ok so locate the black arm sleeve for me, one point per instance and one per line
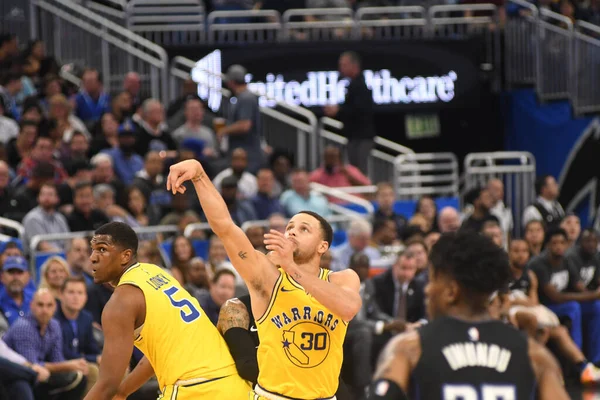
(243, 350)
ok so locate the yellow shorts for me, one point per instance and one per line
(270, 396)
(231, 387)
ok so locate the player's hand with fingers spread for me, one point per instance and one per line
(281, 249)
(182, 172)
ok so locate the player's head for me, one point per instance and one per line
(114, 248)
(466, 268)
(312, 235)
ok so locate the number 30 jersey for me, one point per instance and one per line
(486, 360)
(177, 337)
(300, 353)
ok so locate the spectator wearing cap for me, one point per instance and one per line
(92, 101)
(240, 210)
(125, 161)
(152, 132)
(14, 297)
(13, 248)
(25, 197)
(246, 182)
(334, 173)
(264, 202)
(9, 129)
(245, 125)
(482, 202)
(45, 219)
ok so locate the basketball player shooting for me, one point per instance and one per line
(463, 353)
(301, 311)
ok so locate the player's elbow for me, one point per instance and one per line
(352, 306)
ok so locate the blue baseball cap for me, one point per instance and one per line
(15, 263)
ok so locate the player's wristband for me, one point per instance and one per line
(385, 389)
(379, 327)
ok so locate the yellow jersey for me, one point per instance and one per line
(177, 337)
(300, 353)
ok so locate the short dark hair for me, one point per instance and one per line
(535, 221)
(415, 241)
(476, 263)
(220, 273)
(358, 258)
(50, 185)
(490, 223)
(82, 185)
(556, 231)
(89, 69)
(326, 229)
(472, 195)
(27, 122)
(380, 223)
(72, 279)
(540, 183)
(353, 56)
(121, 234)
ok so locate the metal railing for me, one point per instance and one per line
(380, 163)
(116, 12)
(172, 22)
(586, 68)
(77, 35)
(521, 36)
(9, 223)
(434, 174)
(382, 23)
(344, 196)
(279, 124)
(516, 170)
(555, 56)
(325, 24)
(238, 26)
(339, 220)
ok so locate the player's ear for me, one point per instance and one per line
(126, 256)
(452, 292)
(322, 248)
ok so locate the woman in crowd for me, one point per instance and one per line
(181, 254)
(54, 272)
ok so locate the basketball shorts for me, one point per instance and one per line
(231, 387)
(261, 394)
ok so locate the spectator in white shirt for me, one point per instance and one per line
(44, 219)
(247, 184)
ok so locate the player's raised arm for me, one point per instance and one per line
(126, 305)
(251, 265)
(394, 368)
(340, 294)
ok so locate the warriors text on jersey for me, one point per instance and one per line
(472, 360)
(177, 337)
(300, 353)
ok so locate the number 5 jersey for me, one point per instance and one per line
(177, 337)
(300, 353)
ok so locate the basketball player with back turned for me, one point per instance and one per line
(301, 310)
(149, 309)
(462, 353)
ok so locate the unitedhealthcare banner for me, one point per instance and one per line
(425, 75)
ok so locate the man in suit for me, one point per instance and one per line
(397, 293)
(368, 323)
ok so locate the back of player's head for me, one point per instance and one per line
(122, 235)
(477, 264)
(326, 230)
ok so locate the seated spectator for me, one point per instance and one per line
(107, 138)
(427, 208)
(334, 173)
(139, 210)
(247, 185)
(563, 292)
(182, 253)
(19, 148)
(481, 200)
(222, 288)
(45, 219)
(151, 181)
(256, 235)
(448, 220)
(79, 171)
(85, 217)
(385, 198)
(126, 162)
(103, 172)
(76, 326)
(152, 133)
(41, 153)
(75, 150)
(37, 64)
(32, 111)
(572, 225)
(17, 375)
(535, 236)
(492, 230)
(78, 259)
(217, 260)
(281, 163)
(66, 122)
(586, 259)
(104, 199)
(176, 109)
(52, 85)
(10, 86)
(264, 202)
(385, 237)
(54, 272)
(193, 128)
(300, 197)
(25, 197)
(546, 207)
(38, 338)
(13, 248)
(359, 237)
(499, 209)
(122, 106)
(15, 298)
(196, 278)
(241, 210)
(418, 250)
(92, 101)
(132, 84)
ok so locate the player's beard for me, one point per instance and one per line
(301, 257)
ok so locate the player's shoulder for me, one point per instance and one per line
(346, 277)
